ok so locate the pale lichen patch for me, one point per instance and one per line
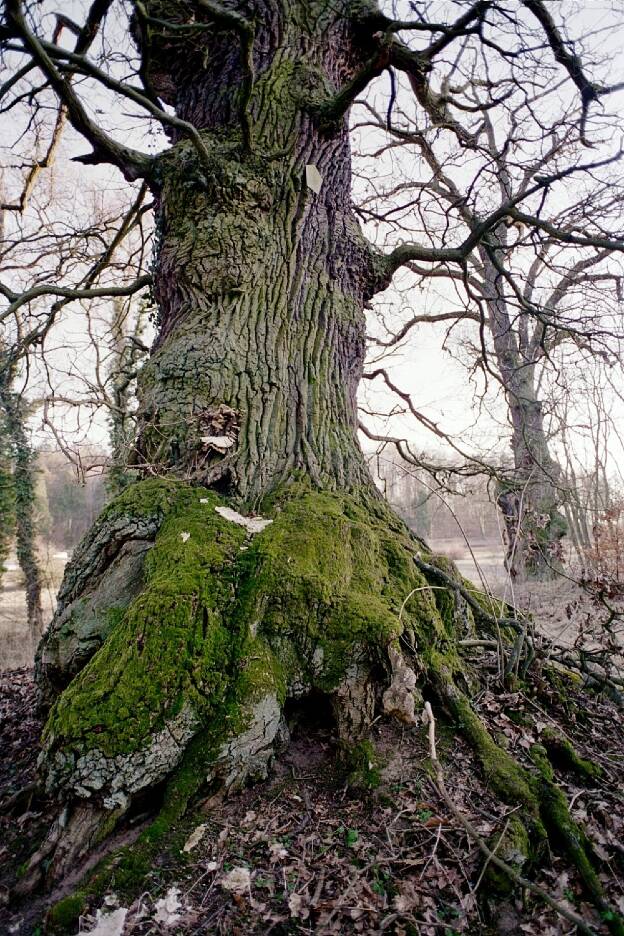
(251, 524)
(121, 775)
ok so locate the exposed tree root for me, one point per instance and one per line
(20, 800)
(544, 803)
(491, 855)
(188, 688)
(597, 670)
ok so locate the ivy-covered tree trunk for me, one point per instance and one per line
(7, 498)
(126, 328)
(20, 489)
(26, 528)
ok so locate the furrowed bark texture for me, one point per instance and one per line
(531, 502)
(260, 280)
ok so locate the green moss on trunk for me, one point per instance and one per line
(225, 621)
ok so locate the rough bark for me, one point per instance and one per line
(531, 501)
(260, 280)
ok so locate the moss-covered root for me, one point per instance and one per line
(513, 846)
(310, 603)
(227, 762)
(508, 779)
(236, 748)
(563, 754)
(224, 625)
(543, 802)
(568, 837)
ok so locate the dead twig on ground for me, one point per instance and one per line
(518, 879)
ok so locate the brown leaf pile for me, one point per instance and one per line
(302, 853)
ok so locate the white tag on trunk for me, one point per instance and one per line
(314, 179)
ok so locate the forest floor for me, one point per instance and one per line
(302, 852)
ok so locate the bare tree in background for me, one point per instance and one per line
(41, 235)
(525, 288)
(21, 485)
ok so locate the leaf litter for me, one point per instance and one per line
(303, 853)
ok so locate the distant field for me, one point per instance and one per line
(480, 562)
(16, 648)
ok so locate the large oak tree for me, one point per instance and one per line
(253, 561)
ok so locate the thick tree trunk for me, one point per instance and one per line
(184, 628)
(531, 502)
(180, 634)
(260, 278)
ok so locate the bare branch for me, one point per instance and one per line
(132, 163)
(47, 289)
